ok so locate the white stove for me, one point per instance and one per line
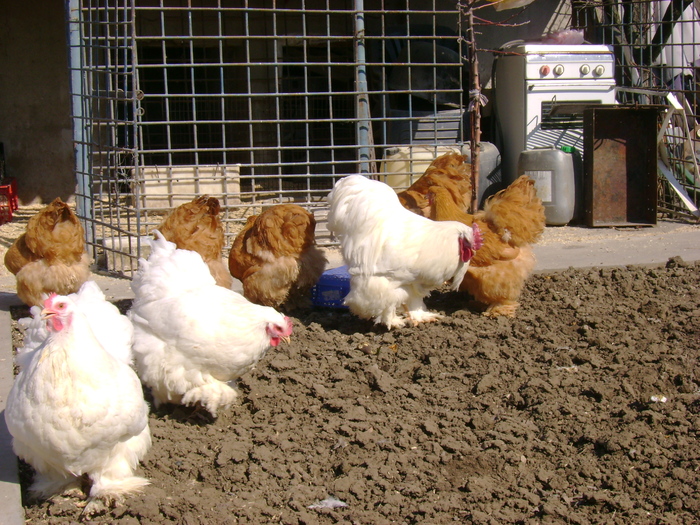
(541, 91)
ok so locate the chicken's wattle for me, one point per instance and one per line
(466, 248)
(55, 324)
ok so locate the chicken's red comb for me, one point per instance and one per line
(478, 239)
(48, 302)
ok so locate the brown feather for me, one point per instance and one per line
(449, 170)
(50, 255)
(512, 219)
(19, 254)
(196, 226)
(276, 258)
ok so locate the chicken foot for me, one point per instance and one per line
(505, 308)
(417, 313)
(211, 395)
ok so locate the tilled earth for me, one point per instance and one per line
(583, 409)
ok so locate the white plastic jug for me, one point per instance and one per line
(553, 173)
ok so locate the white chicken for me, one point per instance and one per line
(192, 339)
(112, 329)
(394, 257)
(75, 410)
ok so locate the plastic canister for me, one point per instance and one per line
(553, 172)
(489, 169)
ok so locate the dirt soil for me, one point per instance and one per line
(584, 409)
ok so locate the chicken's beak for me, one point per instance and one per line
(287, 339)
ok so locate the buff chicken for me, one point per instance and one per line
(196, 226)
(50, 256)
(512, 220)
(276, 258)
(449, 170)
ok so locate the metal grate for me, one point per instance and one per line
(254, 102)
(657, 48)
(104, 105)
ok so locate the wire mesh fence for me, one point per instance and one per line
(263, 102)
(255, 103)
(657, 49)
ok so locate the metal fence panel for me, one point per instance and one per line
(254, 102)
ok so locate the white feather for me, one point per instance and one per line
(112, 329)
(191, 337)
(395, 257)
(331, 502)
(74, 409)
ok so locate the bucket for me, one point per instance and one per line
(553, 173)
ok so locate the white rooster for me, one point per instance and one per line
(394, 257)
(75, 410)
(112, 329)
(192, 339)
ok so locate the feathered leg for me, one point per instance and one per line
(212, 395)
(116, 478)
(48, 480)
(376, 298)
(504, 308)
(416, 310)
(52, 482)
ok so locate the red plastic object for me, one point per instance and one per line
(8, 199)
(5, 210)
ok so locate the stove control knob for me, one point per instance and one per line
(544, 71)
(558, 70)
(585, 69)
(598, 70)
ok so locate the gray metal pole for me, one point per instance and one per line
(81, 130)
(364, 125)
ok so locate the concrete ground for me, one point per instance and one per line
(560, 248)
